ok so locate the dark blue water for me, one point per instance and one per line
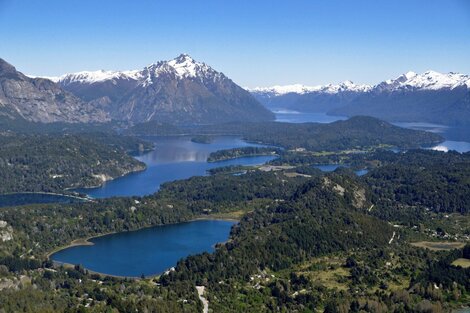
(14, 199)
(173, 158)
(333, 167)
(289, 116)
(361, 172)
(328, 167)
(147, 251)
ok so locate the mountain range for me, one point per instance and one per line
(180, 91)
(427, 97)
(183, 91)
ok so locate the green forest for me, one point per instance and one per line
(356, 133)
(305, 241)
(53, 163)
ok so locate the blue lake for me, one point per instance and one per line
(147, 251)
(153, 250)
(328, 167)
(333, 167)
(361, 172)
(289, 116)
(173, 158)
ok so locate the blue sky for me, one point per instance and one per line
(256, 43)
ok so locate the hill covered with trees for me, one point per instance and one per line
(52, 163)
(358, 132)
(318, 242)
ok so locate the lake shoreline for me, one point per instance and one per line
(31, 198)
(83, 188)
(240, 156)
(87, 242)
(173, 158)
(47, 193)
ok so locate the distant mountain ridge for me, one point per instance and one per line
(429, 80)
(179, 91)
(430, 96)
(303, 89)
(308, 98)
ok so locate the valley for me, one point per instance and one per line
(235, 156)
(173, 180)
(268, 260)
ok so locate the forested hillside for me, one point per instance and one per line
(358, 132)
(53, 163)
(435, 181)
(317, 242)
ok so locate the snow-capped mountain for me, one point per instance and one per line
(303, 89)
(430, 96)
(429, 80)
(91, 77)
(298, 97)
(181, 90)
(181, 67)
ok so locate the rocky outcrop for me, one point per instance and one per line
(41, 100)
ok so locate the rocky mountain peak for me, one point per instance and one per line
(184, 57)
(6, 67)
(181, 90)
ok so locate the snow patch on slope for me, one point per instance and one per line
(432, 80)
(429, 80)
(303, 89)
(182, 67)
(185, 66)
(91, 77)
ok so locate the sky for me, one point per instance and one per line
(255, 43)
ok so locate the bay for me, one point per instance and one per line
(147, 251)
(173, 158)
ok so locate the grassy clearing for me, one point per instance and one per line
(235, 215)
(295, 174)
(438, 245)
(465, 263)
(332, 278)
(401, 284)
(326, 271)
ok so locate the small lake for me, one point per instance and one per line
(333, 167)
(14, 199)
(174, 158)
(148, 251)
